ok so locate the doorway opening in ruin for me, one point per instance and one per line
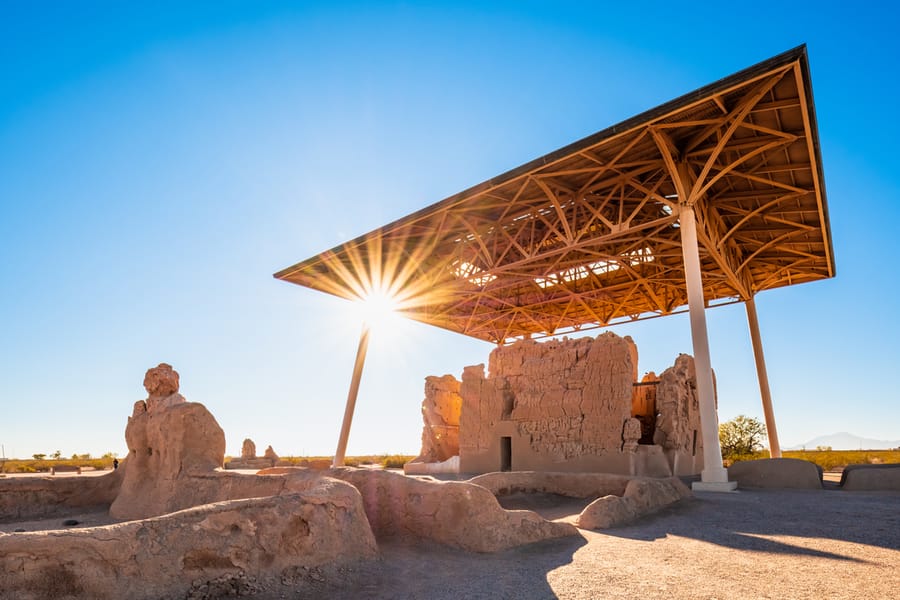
(643, 408)
(506, 453)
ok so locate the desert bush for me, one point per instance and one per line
(741, 435)
(395, 461)
(733, 458)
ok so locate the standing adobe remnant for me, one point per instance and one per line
(678, 417)
(171, 442)
(565, 405)
(440, 413)
(558, 405)
(270, 454)
(248, 450)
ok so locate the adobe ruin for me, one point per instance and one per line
(170, 519)
(565, 405)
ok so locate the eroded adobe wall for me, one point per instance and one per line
(558, 401)
(440, 414)
(678, 417)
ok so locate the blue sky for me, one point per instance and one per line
(158, 162)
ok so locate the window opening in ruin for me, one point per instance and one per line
(694, 444)
(643, 408)
(506, 453)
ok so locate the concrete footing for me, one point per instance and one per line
(714, 486)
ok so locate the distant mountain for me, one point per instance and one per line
(847, 441)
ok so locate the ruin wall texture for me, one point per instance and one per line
(563, 399)
(440, 414)
(571, 404)
(678, 416)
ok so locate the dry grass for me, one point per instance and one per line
(832, 459)
(388, 461)
(14, 465)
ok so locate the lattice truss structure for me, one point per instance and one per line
(588, 236)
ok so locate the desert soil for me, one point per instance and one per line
(749, 544)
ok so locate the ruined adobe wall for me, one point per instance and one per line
(440, 414)
(678, 416)
(567, 405)
(567, 398)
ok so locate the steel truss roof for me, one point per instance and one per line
(588, 236)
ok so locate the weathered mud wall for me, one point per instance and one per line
(561, 404)
(574, 405)
(161, 557)
(38, 497)
(440, 414)
(678, 417)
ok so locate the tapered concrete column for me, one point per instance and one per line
(714, 477)
(771, 431)
(351, 396)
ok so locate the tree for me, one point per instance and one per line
(741, 435)
(56, 455)
(39, 456)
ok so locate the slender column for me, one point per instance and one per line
(713, 471)
(756, 340)
(351, 396)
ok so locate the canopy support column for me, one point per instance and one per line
(351, 396)
(714, 476)
(756, 340)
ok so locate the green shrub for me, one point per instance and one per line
(741, 436)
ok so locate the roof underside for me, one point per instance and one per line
(588, 236)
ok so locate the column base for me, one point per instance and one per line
(714, 486)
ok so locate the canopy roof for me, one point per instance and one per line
(588, 236)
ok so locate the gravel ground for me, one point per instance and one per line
(774, 544)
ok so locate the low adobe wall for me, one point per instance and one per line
(618, 499)
(163, 556)
(25, 498)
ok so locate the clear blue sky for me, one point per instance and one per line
(158, 162)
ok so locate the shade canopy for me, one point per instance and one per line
(588, 236)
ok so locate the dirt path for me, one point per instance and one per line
(750, 544)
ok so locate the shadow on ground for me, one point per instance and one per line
(745, 520)
(429, 570)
